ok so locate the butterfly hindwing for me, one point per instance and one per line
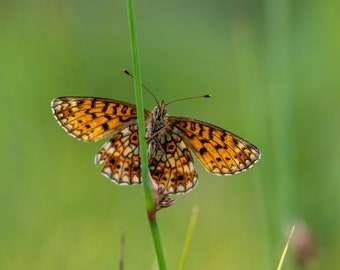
(171, 165)
(120, 157)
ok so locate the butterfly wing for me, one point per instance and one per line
(171, 165)
(221, 152)
(90, 118)
(120, 156)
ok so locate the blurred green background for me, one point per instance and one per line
(272, 68)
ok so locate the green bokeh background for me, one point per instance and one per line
(273, 70)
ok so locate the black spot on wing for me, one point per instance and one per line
(203, 150)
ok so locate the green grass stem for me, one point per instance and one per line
(188, 238)
(148, 192)
(281, 110)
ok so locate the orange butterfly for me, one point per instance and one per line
(168, 137)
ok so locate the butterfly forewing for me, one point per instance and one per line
(90, 118)
(220, 151)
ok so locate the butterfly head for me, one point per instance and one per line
(157, 120)
(159, 111)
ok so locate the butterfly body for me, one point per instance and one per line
(168, 137)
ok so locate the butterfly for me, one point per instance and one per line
(170, 141)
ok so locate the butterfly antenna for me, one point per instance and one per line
(204, 96)
(145, 88)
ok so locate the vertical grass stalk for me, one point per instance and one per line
(281, 98)
(188, 238)
(148, 192)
